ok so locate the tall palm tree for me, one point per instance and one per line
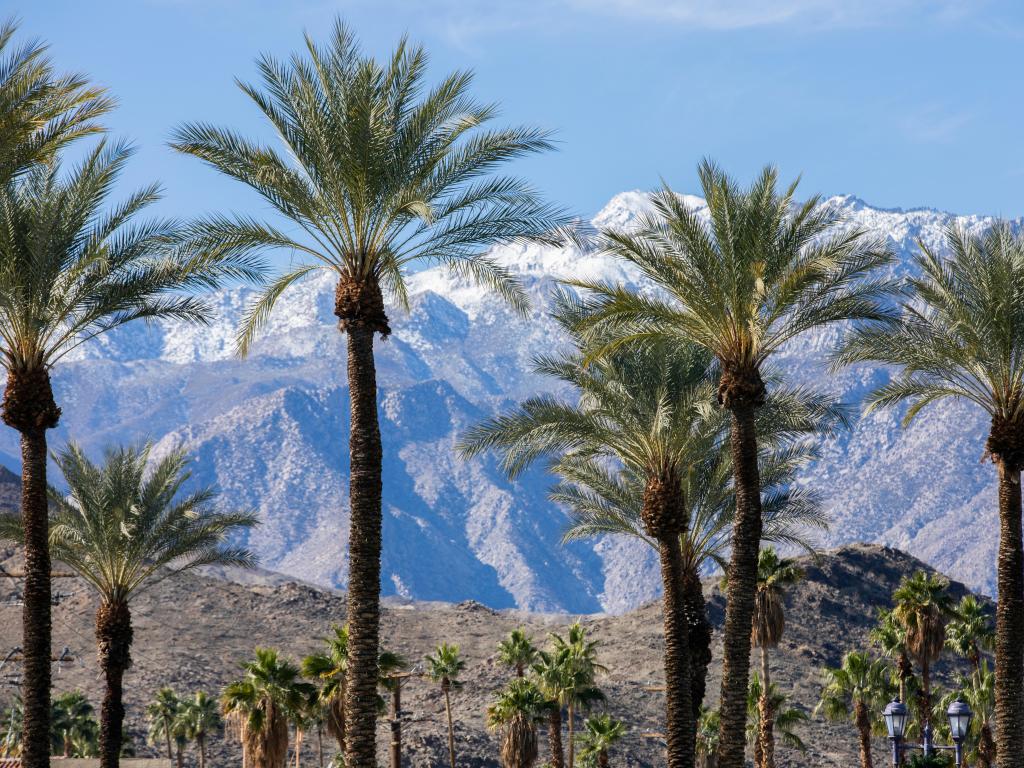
(774, 575)
(162, 712)
(201, 718)
(266, 697)
(577, 658)
(923, 608)
(857, 690)
(549, 673)
(517, 651)
(71, 270)
(516, 712)
(378, 174)
(643, 421)
(756, 272)
(123, 528)
(785, 719)
(961, 334)
(891, 638)
(444, 668)
(330, 671)
(600, 734)
(73, 721)
(969, 632)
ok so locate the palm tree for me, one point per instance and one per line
(600, 734)
(378, 174)
(392, 668)
(123, 528)
(961, 335)
(978, 691)
(265, 699)
(10, 743)
(201, 718)
(644, 415)
(969, 632)
(708, 726)
(330, 671)
(517, 651)
(857, 690)
(785, 719)
(549, 672)
(71, 271)
(922, 608)
(758, 271)
(774, 575)
(162, 713)
(444, 667)
(73, 721)
(516, 712)
(891, 638)
(577, 659)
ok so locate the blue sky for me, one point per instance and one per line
(903, 102)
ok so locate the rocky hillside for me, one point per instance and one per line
(193, 631)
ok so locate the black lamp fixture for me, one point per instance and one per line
(897, 717)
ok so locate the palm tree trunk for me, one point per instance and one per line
(767, 717)
(679, 714)
(699, 633)
(571, 716)
(986, 748)
(201, 741)
(863, 721)
(396, 725)
(298, 745)
(926, 691)
(167, 733)
(451, 727)
(602, 758)
(555, 736)
(365, 457)
(739, 613)
(1009, 694)
(179, 757)
(114, 640)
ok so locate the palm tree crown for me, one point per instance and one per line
(969, 632)
(774, 574)
(515, 712)
(517, 651)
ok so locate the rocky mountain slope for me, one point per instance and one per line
(193, 631)
(271, 432)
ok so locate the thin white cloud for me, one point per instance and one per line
(933, 125)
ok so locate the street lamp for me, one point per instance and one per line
(897, 716)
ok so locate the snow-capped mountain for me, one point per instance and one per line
(271, 432)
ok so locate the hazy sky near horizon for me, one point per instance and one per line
(904, 103)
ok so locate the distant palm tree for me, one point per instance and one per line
(758, 271)
(330, 671)
(708, 726)
(577, 658)
(785, 719)
(516, 712)
(550, 675)
(891, 638)
(774, 575)
(978, 691)
(123, 527)
(923, 607)
(162, 713)
(444, 667)
(857, 690)
(73, 724)
(201, 718)
(392, 668)
(600, 734)
(517, 651)
(961, 335)
(379, 174)
(969, 632)
(265, 699)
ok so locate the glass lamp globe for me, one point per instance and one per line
(959, 715)
(895, 716)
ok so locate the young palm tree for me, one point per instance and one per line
(265, 699)
(961, 335)
(516, 712)
(774, 575)
(756, 273)
(162, 713)
(444, 667)
(73, 721)
(201, 718)
(891, 638)
(708, 726)
(517, 651)
(785, 719)
(330, 671)
(378, 174)
(123, 528)
(577, 659)
(923, 608)
(600, 734)
(857, 690)
(550, 676)
(969, 632)
(71, 271)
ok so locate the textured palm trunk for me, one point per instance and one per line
(336, 718)
(1009, 714)
(986, 748)
(926, 691)
(113, 640)
(167, 734)
(319, 745)
(679, 716)
(451, 726)
(201, 743)
(396, 725)
(570, 715)
(862, 718)
(602, 758)
(365, 457)
(555, 737)
(179, 756)
(766, 731)
(699, 629)
(742, 588)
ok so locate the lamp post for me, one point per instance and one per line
(897, 716)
